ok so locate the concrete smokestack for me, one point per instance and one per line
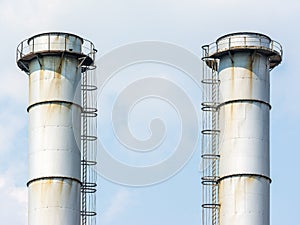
(54, 63)
(240, 183)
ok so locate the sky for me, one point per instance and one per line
(189, 24)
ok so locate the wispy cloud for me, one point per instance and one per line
(118, 204)
(13, 207)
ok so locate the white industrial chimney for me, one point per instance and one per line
(235, 153)
(55, 63)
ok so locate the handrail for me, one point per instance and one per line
(27, 47)
(236, 42)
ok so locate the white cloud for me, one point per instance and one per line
(118, 205)
(13, 207)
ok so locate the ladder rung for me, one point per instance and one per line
(210, 205)
(210, 156)
(210, 132)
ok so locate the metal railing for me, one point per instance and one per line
(28, 47)
(236, 42)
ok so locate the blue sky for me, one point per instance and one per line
(189, 24)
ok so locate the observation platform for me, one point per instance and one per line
(243, 41)
(55, 43)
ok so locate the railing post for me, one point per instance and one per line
(21, 53)
(32, 45)
(49, 42)
(272, 45)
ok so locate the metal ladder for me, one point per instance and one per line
(210, 140)
(88, 146)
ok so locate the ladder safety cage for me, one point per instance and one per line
(88, 145)
(210, 139)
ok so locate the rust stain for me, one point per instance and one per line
(55, 86)
(60, 186)
(45, 187)
(54, 108)
(56, 38)
(232, 70)
(49, 87)
(60, 65)
(232, 76)
(250, 62)
(51, 112)
(250, 179)
(229, 116)
(42, 77)
(57, 75)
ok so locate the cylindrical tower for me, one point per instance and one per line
(243, 62)
(54, 62)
